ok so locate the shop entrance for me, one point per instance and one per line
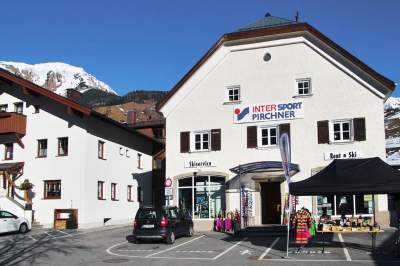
(270, 202)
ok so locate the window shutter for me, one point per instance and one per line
(252, 137)
(323, 131)
(215, 139)
(359, 129)
(284, 128)
(185, 142)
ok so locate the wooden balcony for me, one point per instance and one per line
(12, 123)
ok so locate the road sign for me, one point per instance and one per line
(168, 182)
(168, 191)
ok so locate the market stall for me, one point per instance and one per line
(354, 176)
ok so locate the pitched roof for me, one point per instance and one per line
(276, 29)
(267, 22)
(9, 77)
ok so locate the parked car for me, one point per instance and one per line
(165, 223)
(12, 223)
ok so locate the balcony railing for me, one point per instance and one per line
(12, 123)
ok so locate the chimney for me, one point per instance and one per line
(131, 117)
(74, 95)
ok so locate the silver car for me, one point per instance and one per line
(12, 223)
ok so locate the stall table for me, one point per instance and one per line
(372, 232)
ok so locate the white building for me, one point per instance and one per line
(81, 164)
(229, 110)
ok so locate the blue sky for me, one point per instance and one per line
(151, 44)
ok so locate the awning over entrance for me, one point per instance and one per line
(364, 176)
(248, 173)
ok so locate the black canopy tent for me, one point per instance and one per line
(352, 176)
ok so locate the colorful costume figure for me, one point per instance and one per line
(302, 221)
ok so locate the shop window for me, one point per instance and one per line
(3, 107)
(203, 200)
(52, 189)
(268, 136)
(233, 94)
(344, 205)
(201, 141)
(113, 191)
(62, 146)
(341, 131)
(42, 148)
(303, 86)
(100, 190)
(9, 151)
(325, 205)
(100, 149)
(19, 107)
(364, 204)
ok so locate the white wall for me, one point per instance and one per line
(199, 105)
(81, 169)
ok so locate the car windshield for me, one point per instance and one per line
(149, 214)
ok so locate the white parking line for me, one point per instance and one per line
(174, 247)
(229, 249)
(346, 252)
(269, 249)
(194, 251)
(31, 237)
(49, 234)
(62, 232)
(136, 250)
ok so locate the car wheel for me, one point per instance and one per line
(171, 238)
(23, 228)
(136, 240)
(190, 231)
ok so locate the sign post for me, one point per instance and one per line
(284, 145)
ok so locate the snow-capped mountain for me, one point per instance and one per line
(392, 103)
(56, 77)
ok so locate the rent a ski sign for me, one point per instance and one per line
(268, 112)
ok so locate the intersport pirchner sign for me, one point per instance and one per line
(268, 112)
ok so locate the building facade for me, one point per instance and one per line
(85, 169)
(274, 76)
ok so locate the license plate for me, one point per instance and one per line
(148, 226)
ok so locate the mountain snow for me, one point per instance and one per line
(57, 77)
(392, 103)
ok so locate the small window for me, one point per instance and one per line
(268, 136)
(139, 161)
(42, 148)
(100, 149)
(113, 191)
(129, 193)
(121, 152)
(19, 107)
(233, 94)
(341, 131)
(303, 86)
(9, 151)
(202, 141)
(3, 107)
(100, 190)
(127, 153)
(63, 146)
(139, 194)
(52, 189)
(36, 109)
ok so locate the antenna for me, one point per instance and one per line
(296, 17)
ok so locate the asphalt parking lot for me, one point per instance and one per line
(109, 246)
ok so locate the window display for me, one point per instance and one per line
(205, 198)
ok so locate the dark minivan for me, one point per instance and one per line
(165, 223)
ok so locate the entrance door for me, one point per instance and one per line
(271, 203)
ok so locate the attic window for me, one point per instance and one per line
(267, 57)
